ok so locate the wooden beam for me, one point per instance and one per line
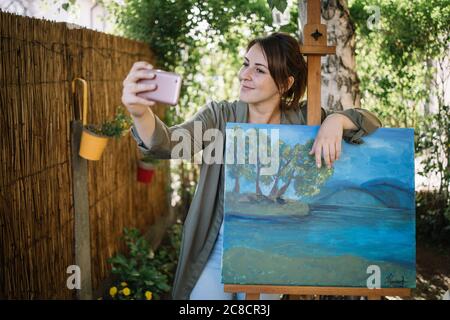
(314, 89)
(252, 296)
(313, 15)
(328, 291)
(318, 50)
(81, 213)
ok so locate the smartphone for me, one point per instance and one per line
(168, 85)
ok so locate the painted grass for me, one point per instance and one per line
(249, 266)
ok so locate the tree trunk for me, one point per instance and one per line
(284, 188)
(258, 170)
(340, 83)
(274, 190)
(430, 83)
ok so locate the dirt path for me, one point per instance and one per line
(433, 272)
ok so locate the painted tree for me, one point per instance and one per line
(296, 167)
(308, 178)
(253, 143)
(302, 172)
(237, 170)
(287, 156)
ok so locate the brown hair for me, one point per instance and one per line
(283, 55)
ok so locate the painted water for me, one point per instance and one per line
(348, 239)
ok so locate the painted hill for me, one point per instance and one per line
(390, 193)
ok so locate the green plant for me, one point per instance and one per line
(139, 270)
(149, 159)
(433, 218)
(395, 61)
(167, 254)
(433, 142)
(115, 128)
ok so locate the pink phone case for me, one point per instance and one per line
(168, 85)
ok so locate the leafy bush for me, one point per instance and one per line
(433, 217)
(139, 270)
(167, 254)
(144, 274)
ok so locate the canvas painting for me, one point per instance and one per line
(288, 222)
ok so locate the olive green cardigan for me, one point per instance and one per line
(205, 215)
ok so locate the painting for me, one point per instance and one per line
(287, 222)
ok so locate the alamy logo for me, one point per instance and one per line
(373, 22)
(374, 280)
(251, 146)
(74, 280)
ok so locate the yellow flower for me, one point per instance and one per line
(126, 291)
(148, 295)
(123, 284)
(113, 291)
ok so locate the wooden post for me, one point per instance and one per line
(81, 205)
(314, 47)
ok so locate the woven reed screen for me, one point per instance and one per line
(39, 59)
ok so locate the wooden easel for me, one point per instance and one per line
(314, 46)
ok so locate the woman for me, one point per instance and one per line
(273, 80)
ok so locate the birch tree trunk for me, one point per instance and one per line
(340, 83)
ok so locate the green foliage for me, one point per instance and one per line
(200, 40)
(115, 128)
(409, 30)
(433, 209)
(66, 5)
(432, 218)
(434, 140)
(150, 159)
(141, 269)
(171, 27)
(279, 4)
(167, 254)
(392, 58)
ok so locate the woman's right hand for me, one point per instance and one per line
(135, 105)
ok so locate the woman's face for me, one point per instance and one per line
(257, 85)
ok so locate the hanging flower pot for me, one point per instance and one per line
(92, 145)
(146, 169)
(95, 137)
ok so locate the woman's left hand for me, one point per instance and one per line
(328, 141)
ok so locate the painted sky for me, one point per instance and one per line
(386, 153)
